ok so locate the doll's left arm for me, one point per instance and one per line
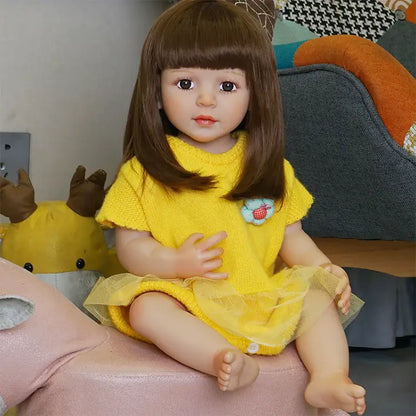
(299, 249)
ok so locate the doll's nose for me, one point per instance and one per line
(206, 99)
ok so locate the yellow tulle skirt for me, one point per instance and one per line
(263, 322)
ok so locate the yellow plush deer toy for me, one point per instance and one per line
(58, 241)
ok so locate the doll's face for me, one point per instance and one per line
(205, 105)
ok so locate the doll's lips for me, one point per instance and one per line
(205, 120)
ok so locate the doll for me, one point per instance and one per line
(203, 205)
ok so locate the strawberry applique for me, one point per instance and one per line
(257, 211)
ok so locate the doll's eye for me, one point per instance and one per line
(185, 84)
(228, 86)
(80, 263)
(28, 267)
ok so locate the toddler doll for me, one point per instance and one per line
(203, 205)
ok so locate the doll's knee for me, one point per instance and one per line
(147, 307)
(317, 299)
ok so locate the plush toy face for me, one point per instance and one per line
(58, 241)
(54, 239)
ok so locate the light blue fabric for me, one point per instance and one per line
(287, 37)
(286, 31)
(285, 53)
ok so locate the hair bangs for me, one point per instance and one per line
(207, 37)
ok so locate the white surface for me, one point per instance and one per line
(67, 73)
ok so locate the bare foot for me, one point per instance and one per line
(235, 369)
(336, 391)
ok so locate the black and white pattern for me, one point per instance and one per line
(366, 18)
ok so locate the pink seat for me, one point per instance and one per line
(69, 365)
(127, 377)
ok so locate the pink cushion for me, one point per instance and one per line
(126, 377)
(60, 362)
(56, 332)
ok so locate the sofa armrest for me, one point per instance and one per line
(363, 182)
(391, 86)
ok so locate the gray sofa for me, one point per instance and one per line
(363, 182)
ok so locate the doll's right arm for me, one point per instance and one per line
(141, 254)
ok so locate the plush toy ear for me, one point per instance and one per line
(86, 195)
(17, 202)
(14, 310)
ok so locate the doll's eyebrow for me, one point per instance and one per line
(236, 72)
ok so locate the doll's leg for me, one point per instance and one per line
(182, 336)
(323, 349)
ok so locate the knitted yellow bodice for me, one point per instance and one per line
(250, 249)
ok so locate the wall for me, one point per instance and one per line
(67, 70)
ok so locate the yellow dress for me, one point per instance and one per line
(255, 309)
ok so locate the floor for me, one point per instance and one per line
(389, 376)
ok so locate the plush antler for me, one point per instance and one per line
(86, 195)
(17, 201)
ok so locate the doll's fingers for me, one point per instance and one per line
(212, 240)
(212, 254)
(342, 284)
(346, 293)
(192, 239)
(216, 276)
(345, 300)
(345, 309)
(212, 264)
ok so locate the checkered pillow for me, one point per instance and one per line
(366, 18)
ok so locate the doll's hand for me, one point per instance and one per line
(198, 257)
(343, 290)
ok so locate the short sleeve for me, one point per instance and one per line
(122, 206)
(299, 200)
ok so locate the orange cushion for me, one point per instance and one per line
(391, 86)
(411, 12)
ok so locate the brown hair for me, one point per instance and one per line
(210, 34)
